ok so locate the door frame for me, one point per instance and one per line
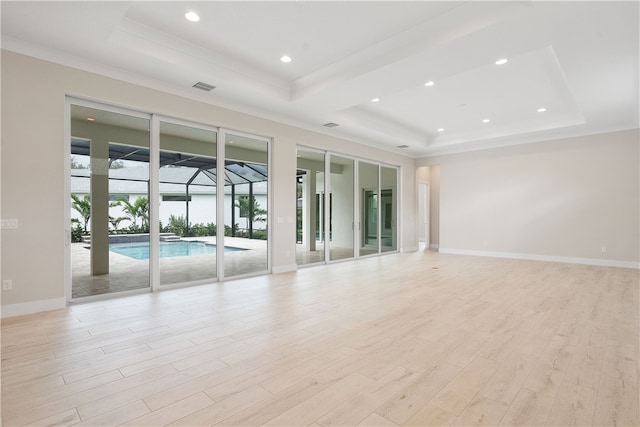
(424, 212)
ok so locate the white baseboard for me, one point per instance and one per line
(11, 310)
(434, 246)
(410, 249)
(551, 258)
(284, 268)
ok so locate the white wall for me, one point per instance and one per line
(202, 209)
(434, 206)
(35, 158)
(431, 176)
(564, 200)
(368, 177)
(422, 178)
(343, 205)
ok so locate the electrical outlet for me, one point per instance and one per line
(9, 224)
(603, 249)
(7, 285)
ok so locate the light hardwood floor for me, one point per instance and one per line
(404, 339)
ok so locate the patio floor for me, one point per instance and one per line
(126, 273)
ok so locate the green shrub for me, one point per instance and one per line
(211, 229)
(76, 231)
(177, 225)
(260, 234)
(197, 230)
(227, 230)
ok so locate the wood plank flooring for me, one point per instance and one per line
(405, 339)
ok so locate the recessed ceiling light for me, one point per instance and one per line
(429, 83)
(375, 100)
(486, 120)
(440, 130)
(285, 59)
(542, 110)
(192, 16)
(501, 61)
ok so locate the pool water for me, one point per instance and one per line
(168, 249)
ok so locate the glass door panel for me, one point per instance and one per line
(187, 204)
(388, 208)
(310, 207)
(245, 205)
(368, 184)
(110, 201)
(341, 208)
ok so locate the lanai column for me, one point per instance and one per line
(99, 207)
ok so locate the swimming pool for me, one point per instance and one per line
(168, 249)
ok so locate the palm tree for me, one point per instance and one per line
(135, 210)
(258, 214)
(83, 207)
(255, 214)
(116, 221)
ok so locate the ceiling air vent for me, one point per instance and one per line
(402, 146)
(330, 125)
(204, 86)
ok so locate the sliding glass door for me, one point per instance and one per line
(187, 212)
(378, 208)
(310, 207)
(246, 196)
(345, 206)
(151, 201)
(341, 207)
(368, 192)
(388, 208)
(109, 180)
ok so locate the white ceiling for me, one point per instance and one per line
(579, 60)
